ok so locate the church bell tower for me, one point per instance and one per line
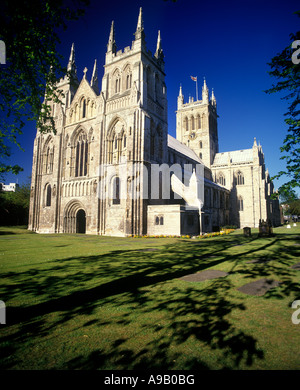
(196, 125)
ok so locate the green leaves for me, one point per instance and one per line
(288, 75)
(29, 30)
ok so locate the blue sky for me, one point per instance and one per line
(227, 42)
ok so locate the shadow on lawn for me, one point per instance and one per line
(141, 281)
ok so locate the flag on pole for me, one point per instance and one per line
(195, 79)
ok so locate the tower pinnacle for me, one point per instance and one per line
(159, 52)
(205, 93)
(111, 46)
(71, 68)
(140, 34)
(180, 98)
(213, 99)
(94, 79)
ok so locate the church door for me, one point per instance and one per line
(80, 221)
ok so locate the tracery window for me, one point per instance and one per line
(81, 155)
(48, 157)
(239, 179)
(221, 179)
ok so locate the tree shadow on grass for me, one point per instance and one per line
(146, 283)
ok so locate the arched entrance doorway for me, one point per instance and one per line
(80, 221)
(74, 218)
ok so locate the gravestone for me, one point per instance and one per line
(265, 228)
(247, 232)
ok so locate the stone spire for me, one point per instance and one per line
(140, 34)
(111, 46)
(180, 98)
(71, 68)
(213, 99)
(159, 52)
(205, 93)
(94, 79)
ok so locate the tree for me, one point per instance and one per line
(288, 196)
(14, 206)
(30, 31)
(286, 69)
(294, 207)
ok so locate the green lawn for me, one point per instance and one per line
(90, 302)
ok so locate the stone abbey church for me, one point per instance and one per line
(113, 137)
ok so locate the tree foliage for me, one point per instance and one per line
(14, 206)
(30, 30)
(287, 74)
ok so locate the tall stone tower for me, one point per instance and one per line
(134, 92)
(196, 125)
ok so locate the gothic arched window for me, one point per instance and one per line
(221, 179)
(192, 123)
(198, 122)
(116, 190)
(239, 180)
(48, 196)
(83, 108)
(128, 80)
(186, 124)
(48, 157)
(240, 204)
(81, 155)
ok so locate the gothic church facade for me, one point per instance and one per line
(110, 137)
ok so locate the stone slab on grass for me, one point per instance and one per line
(259, 261)
(296, 266)
(204, 275)
(259, 287)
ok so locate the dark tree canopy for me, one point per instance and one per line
(285, 68)
(30, 31)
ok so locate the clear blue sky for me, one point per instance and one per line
(227, 42)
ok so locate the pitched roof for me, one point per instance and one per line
(173, 143)
(235, 157)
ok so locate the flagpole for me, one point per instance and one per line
(196, 88)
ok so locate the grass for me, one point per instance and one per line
(90, 302)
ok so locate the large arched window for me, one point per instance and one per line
(81, 155)
(48, 156)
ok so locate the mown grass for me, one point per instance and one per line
(89, 302)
